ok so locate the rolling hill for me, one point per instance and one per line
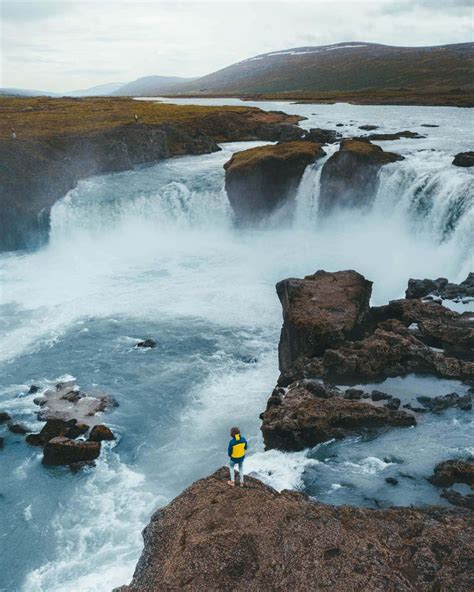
(152, 86)
(343, 67)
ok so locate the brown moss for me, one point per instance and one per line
(248, 159)
(44, 117)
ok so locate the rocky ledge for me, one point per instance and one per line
(349, 176)
(331, 335)
(36, 172)
(262, 180)
(213, 537)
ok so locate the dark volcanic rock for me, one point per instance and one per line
(4, 416)
(320, 311)
(101, 432)
(146, 343)
(259, 181)
(464, 159)
(457, 499)
(380, 396)
(368, 128)
(64, 451)
(33, 389)
(441, 287)
(17, 428)
(395, 136)
(214, 537)
(453, 471)
(443, 402)
(301, 419)
(349, 176)
(322, 136)
(57, 427)
(393, 404)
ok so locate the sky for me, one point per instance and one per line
(70, 44)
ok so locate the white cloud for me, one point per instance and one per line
(79, 44)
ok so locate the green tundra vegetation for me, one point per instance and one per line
(44, 117)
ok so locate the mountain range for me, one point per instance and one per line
(342, 67)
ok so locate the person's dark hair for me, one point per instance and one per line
(234, 432)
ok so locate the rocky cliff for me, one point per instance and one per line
(36, 171)
(349, 176)
(213, 537)
(262, 180)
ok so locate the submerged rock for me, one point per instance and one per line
(214, 537)
(17, 428)
(349, 176)
(4, 417)
(320, 311)
(64, 451)
(395, 136)
(298, 418)
(147, 343)
(368, 127)
(33, 389)
(464, 159)
(259, 181)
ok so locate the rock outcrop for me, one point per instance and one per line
(330, 332)
(213, 537)
(349, 177)
(70, 413)
(449, 472)
(464, 159)
(64, 451)
(321, 311)
(441, 287)
(322, 136)
(306, 414)
(262, 180)
(35, 173)
(394, 136)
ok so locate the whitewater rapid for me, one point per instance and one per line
(154, 252)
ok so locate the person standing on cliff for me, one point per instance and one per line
(236, 451)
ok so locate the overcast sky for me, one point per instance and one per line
(70, 44)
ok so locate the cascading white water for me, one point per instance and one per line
(153, 252)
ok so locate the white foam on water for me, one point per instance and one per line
(99, 551)
(280, 470)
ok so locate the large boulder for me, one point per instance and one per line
(64, 451)
(322, 136)
(303, 416)
(464, 159)
(261, 180)
(349, 177)
(320, 311)
(214, 537)
(449, 472)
